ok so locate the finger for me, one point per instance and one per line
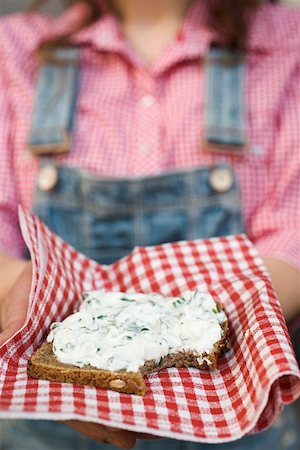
(13, 308)
(121, 439)
(146, 436)
(112, 428)
(13, 327)
(7, 334)
(136, 435)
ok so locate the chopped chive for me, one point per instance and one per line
(126, 299)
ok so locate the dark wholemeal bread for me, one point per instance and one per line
(43, 364)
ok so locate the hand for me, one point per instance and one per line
(286, 282)
(13, 308)
(107, 435)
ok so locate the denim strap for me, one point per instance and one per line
(55, 103)
(224, 118)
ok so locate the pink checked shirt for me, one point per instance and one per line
(138, 120)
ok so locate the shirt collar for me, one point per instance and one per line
(274, 28)
(106, 35)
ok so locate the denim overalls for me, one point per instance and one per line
(105, 218)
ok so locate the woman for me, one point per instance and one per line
(168, 102)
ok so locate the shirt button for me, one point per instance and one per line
(147, 100)
(47, 178)
(221, 179)
(106, 37)
(144, 148)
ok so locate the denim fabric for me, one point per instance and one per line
(43, 435)
(225, 119)
(54, 111)
(106, 218)
(56, 96)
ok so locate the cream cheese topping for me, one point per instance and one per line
(121, 331)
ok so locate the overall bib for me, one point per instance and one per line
(105, 218)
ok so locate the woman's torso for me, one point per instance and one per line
(135, 121)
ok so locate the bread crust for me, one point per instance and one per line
(44, 365)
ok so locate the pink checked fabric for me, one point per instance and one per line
(134, 119)
(255, 379)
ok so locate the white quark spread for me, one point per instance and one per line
(121, 331)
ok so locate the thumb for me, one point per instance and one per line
(5, 336)
(9, 332)
(13, 308)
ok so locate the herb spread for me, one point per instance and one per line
(120, 332)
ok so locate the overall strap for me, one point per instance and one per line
(55, 103)
(225, 118)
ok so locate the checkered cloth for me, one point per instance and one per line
(255, 379)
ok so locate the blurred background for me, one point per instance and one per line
(55, 7)
(10, 6)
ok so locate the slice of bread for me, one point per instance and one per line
(43, 364)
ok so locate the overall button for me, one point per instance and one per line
(221, 179)
(47, 178)
(144, 149)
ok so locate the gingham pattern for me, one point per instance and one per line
(255, 379)
(134, 120)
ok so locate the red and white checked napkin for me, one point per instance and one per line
(256, 378)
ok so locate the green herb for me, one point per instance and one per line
(101, 317)
(163, 322)
(85, 296)
(125, 299)
(144, 329)
(178, 302)
(129, 338)
(215, 311)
